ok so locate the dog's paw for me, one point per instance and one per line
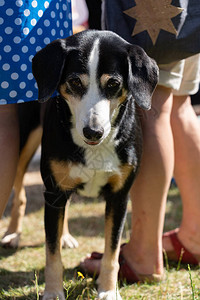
(10, 240)
(109, 295)
(68, 241)
(53, 296)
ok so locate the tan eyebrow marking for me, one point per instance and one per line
(104, 79)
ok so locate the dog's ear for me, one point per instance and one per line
(143, 76)
(47, 67)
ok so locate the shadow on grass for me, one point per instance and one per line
(74, 287)
(9, 279)
(19, 278)
(172, 265)
(30, 296)
(6, 251)
(87, 226)
(19, 285)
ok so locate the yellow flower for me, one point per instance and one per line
(80, 275)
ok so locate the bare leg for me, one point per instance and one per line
(12, 235)
(186, 132)
(149, 192)
(9, 149)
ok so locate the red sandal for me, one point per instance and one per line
(126, 273)
(179, 252)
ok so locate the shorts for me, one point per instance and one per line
(182, 77)
(25, 28)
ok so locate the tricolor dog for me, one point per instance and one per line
(92, 140)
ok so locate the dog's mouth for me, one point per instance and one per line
(92, 143)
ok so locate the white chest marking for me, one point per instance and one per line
(101, 163)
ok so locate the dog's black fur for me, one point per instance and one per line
(132, 77)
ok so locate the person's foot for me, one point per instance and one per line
(92, 264)
(179, 245)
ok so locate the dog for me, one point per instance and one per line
(92, 139)
(30, 116)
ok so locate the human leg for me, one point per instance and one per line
(9, 149)
(149, 192)
(186, 133)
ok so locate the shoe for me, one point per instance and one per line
(179, 252)
(126, 273)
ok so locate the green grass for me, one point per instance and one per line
(22, 270)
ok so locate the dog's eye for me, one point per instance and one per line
(113, 84)
(75, 83)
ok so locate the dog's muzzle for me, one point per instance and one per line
(93, 135)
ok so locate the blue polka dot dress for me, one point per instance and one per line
(26, 26)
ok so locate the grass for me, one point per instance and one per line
(22, 269)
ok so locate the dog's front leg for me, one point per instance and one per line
(54, 269)
(114, 221)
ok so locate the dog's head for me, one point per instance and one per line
(95, 71)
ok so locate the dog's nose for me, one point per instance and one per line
(93, 134)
